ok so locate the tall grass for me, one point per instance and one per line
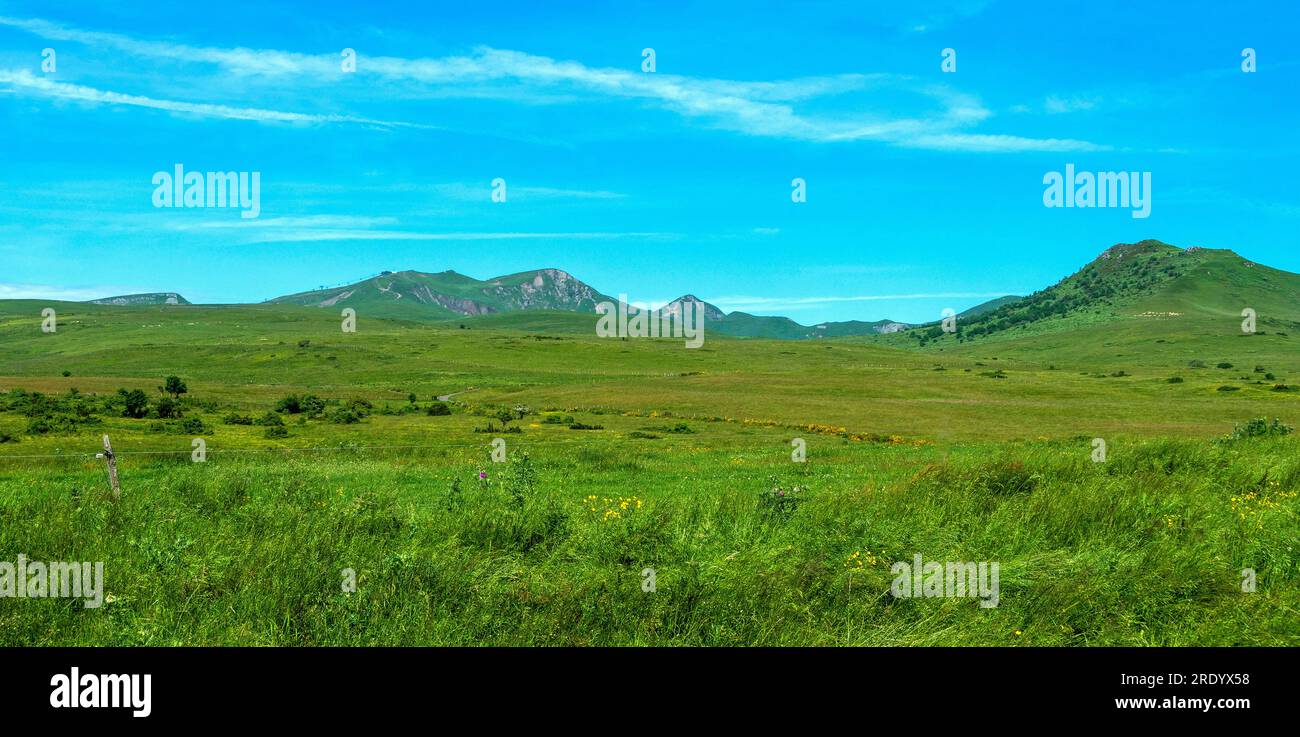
(1144, 549)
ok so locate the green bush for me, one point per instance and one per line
(167, 409)
(1259, 427)
(293, 404)
(135, 403)
(344, 416)
(193, 426)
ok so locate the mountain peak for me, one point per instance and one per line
(149, 298)
(445, 294)
(711, 312)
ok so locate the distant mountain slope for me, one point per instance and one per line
(674, 308)
(1147, 281)
(856, 327)
(745, 325)
(448, 295)
(988, 306)
(417, 295)
(152, 298)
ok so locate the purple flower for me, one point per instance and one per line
(482, 474)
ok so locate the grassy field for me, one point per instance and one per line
(978, 451)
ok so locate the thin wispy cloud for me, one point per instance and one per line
(795, 303)
(467, 192)
(754, 108)
(1057, 105)
(324, 234)
(358, 228)
(24, 82)
(64, 294)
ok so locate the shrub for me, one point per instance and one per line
(359, 407)
(344, 416)
(39, 426)
(1196, 363)
(270, 419)
(1228, 388)
(558, 420)
(583, 426)
(1260, 427)
(276, 431)
(167, 409)
(1224, 365)
(1174, 380)
(193, 426)
(7, 438)
(293, 404)
(135, 403)
(643, 435)
(237, 419)
(438, 409)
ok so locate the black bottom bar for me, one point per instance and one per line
(931, 686)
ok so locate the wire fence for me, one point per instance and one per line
(308, 449)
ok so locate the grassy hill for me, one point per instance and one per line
(1141, 298)
(627, 454)
(448, 295)
(988, 306)
(420, 296)
(635, 454)
(152, 298)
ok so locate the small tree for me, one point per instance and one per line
(174, 386)
(135, 403)
(506, 416)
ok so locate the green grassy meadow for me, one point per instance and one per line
(970, 451)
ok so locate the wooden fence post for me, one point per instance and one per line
(107, 455)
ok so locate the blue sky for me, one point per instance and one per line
(924, 188)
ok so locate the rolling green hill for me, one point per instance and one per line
(1147, 295)
(628, 453)
(447, 296)
(152, 298)
(988, 306)
(420, 296)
